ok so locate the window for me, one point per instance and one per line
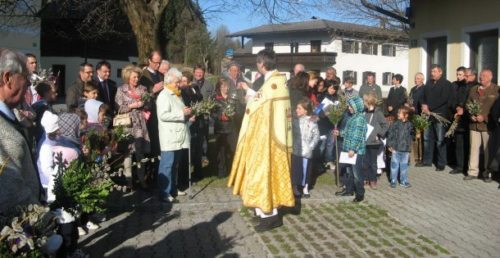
(484, 51)
(387, 79)
(315, 46)
(269, 45)
(294, 47)
(350, 46)
(436, 51)
(369, 48)
(388, 50)
(365, 75)
(352, 74)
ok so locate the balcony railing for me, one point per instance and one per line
(322, 58)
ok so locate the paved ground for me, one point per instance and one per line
(440, 216)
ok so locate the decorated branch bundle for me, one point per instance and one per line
(81, 187)
(337, 110)
(204, 107)
(474, 108)
(420, 122)
(25, 231)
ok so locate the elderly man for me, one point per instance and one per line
(331, 75)
(76, 89)
(164, 67)
(485, 94)
(261, 167)
(437, 98)
(19, 182)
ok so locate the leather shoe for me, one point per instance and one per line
(343, 193)
(456, 171)
(420, 164)
(269, 223)
(487, 180)
(439, 169)
(358, 198)
(466, 178)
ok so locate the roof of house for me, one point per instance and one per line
(320, 25)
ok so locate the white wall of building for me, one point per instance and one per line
(21, 33)
(358, 62)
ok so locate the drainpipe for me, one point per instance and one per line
(385, 12)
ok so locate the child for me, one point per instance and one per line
(305, 137)
(354, 143)
(349, 91)
(96, 112)
(48, 93)
(374, 144)
(400, 136)
(224, 128)
(90, 91)
(327, 141)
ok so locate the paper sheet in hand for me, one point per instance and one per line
(326, 103)
(344, 158)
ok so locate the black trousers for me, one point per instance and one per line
(226, 146)
(370, 161)
(462, 150)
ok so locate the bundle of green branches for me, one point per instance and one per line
(453, 127)
(420, 122)
(474, 107)
(204, 107)
(121, 134)
(229, 110)
(439, 118)
(337, 110)
(81, 187)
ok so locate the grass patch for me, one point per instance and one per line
(399, 231)
(371, 253)
(428, 250)
(400, 241)
(331, 246)
(372, 242)
(385, 242)
(425, 239)
(325, 179)
(344, 244)
(409, 230)
(265, 239)
(307, 237)
(360, 224)
(360, 233)
(292, 238)
(387, 254)
(359, 243)
(286, 248)
(317, 246)
(340, 255)
(273, 249)
(400, 253)
(301, 247)
(415, 251)
(441, 249)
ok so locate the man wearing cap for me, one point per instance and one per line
(19, 183)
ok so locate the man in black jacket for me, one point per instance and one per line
(107, 87)
(397, 96)
(436, 99)
(461, 136)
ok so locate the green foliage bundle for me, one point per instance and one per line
(337, 110)
(420, 122)
(204, 107)
(120, 134)
(474, 108)
(81, 187)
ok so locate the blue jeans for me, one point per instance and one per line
(327, 147)
(434, 137)
(399, 163)
(167, 173)
(355, 178)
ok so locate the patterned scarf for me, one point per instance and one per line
(174, 89)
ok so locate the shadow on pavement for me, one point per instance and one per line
(200, 240)
(135, 222)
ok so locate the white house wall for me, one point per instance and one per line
(345, 61)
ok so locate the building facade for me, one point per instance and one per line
(352, 49)
(453, 34)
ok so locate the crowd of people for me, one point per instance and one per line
(272, 126)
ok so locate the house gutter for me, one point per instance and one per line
(385, 12)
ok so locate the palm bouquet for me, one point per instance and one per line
(474, 107)
(337, 110)
(420, 122)
(204, 107)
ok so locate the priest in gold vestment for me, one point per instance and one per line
(260, 172)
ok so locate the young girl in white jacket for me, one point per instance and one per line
(305, 137)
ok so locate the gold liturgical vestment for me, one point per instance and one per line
(261, 167)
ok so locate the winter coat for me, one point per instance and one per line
(139, 129)
(400, 136)
(354, 132)
(486, 101)
(396, 99)
(172, 125)
(376, 119)
(305, 136)
(438, 95)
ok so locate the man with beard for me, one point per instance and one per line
(75, 91)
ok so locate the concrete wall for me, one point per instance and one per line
(454, 20)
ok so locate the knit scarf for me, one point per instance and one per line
(174, 89)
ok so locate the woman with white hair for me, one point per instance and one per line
(173, 131)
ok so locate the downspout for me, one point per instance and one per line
(385, 12)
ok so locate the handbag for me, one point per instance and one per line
(122, 119)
